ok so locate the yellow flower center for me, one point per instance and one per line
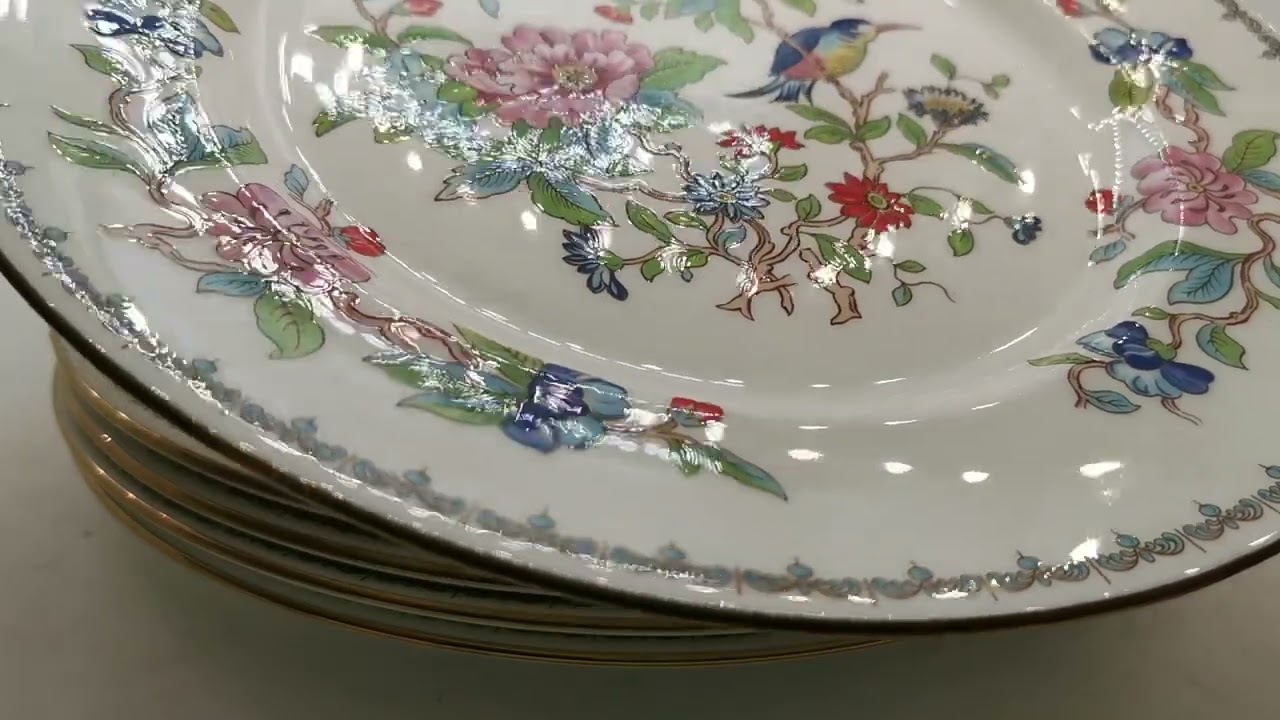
(726, 197)
(577, 78)
(877, 201)
(1195, 187)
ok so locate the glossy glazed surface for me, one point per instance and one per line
(844, 391)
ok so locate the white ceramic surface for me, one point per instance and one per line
(909, 460)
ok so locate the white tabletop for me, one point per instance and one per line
(96, 625)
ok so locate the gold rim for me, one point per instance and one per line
(450, 611)
(102, 486)
(394, 563)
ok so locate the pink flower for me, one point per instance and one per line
(259, 230)
(1192, 189)
(542, 74)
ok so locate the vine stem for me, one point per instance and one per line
(630, 186)
(378, 23)
(1172, 406)
(920, 283)
(1073, 378)
(1247, 268)
(1190, 118)
(401, 331)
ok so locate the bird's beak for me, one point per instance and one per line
(890, 27)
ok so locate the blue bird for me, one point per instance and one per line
(815, 54)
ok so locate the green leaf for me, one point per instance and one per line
(289, 323)
(326, 122)
(696, 259)
(93, 154)
(1271, 300)
(1207, 78)
(459, 403)
(837, 254)
(808, 208)
(650, 10)
(944, 66)
(87, 123)
(729, 14)
(1250, 149)
(978, 206)
(214, 13)
(704, 21)
(1162, 348)
(873, 129)
(1130, 89)
(345, 36)
(910, 266)
(1110, 401)
(986, 158)
(960, 242)
(1169, 255)
(566, 201)
(453, 91)
(781, 195)
(391, 135)
(902, 295)
(1185, 85)
(652, 268)
(552, 134)
(991, 91)
(925, 205)
(675, 68)
(791, 173)
(646, 220)
(1151, 312)
(688, 455)
(816, 114)
(684, 218)
(912, 131)
(728, 464)
(515, 366)
(1000, 82)
(1063, 359)
(418, 33)
(105, 61)
(1217, 344)
(828, 134)
(237, 147)
(1273, 272)
(808, 7)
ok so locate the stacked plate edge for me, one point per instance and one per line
(211, 513)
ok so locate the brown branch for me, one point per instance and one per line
(1073, 379)
(401, 331)
(1190, 118)
(928, 147)
(1247, 267)
(844, 297)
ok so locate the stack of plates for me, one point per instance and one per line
(753, 317)
(212, 513)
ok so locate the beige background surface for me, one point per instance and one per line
(96, 625)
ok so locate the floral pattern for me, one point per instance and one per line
(1128, 350)
(1191, 189)
(585, 117)
(1187, 184)
(540, 75)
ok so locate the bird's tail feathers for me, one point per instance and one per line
(788, 91)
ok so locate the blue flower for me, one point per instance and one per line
(734, 197)
(567, 408)
(1145, 364)
(585, 250)
(109, 23)
(1025, 228)
(1114, 46)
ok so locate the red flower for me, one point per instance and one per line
(616, 14)
(693, 412)
(784, 139)
(423, 8)
(1070, 8)
(759, 140)
(871, 204)
(362, 240)
(1102, 202)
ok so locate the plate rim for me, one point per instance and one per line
(188, 422)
